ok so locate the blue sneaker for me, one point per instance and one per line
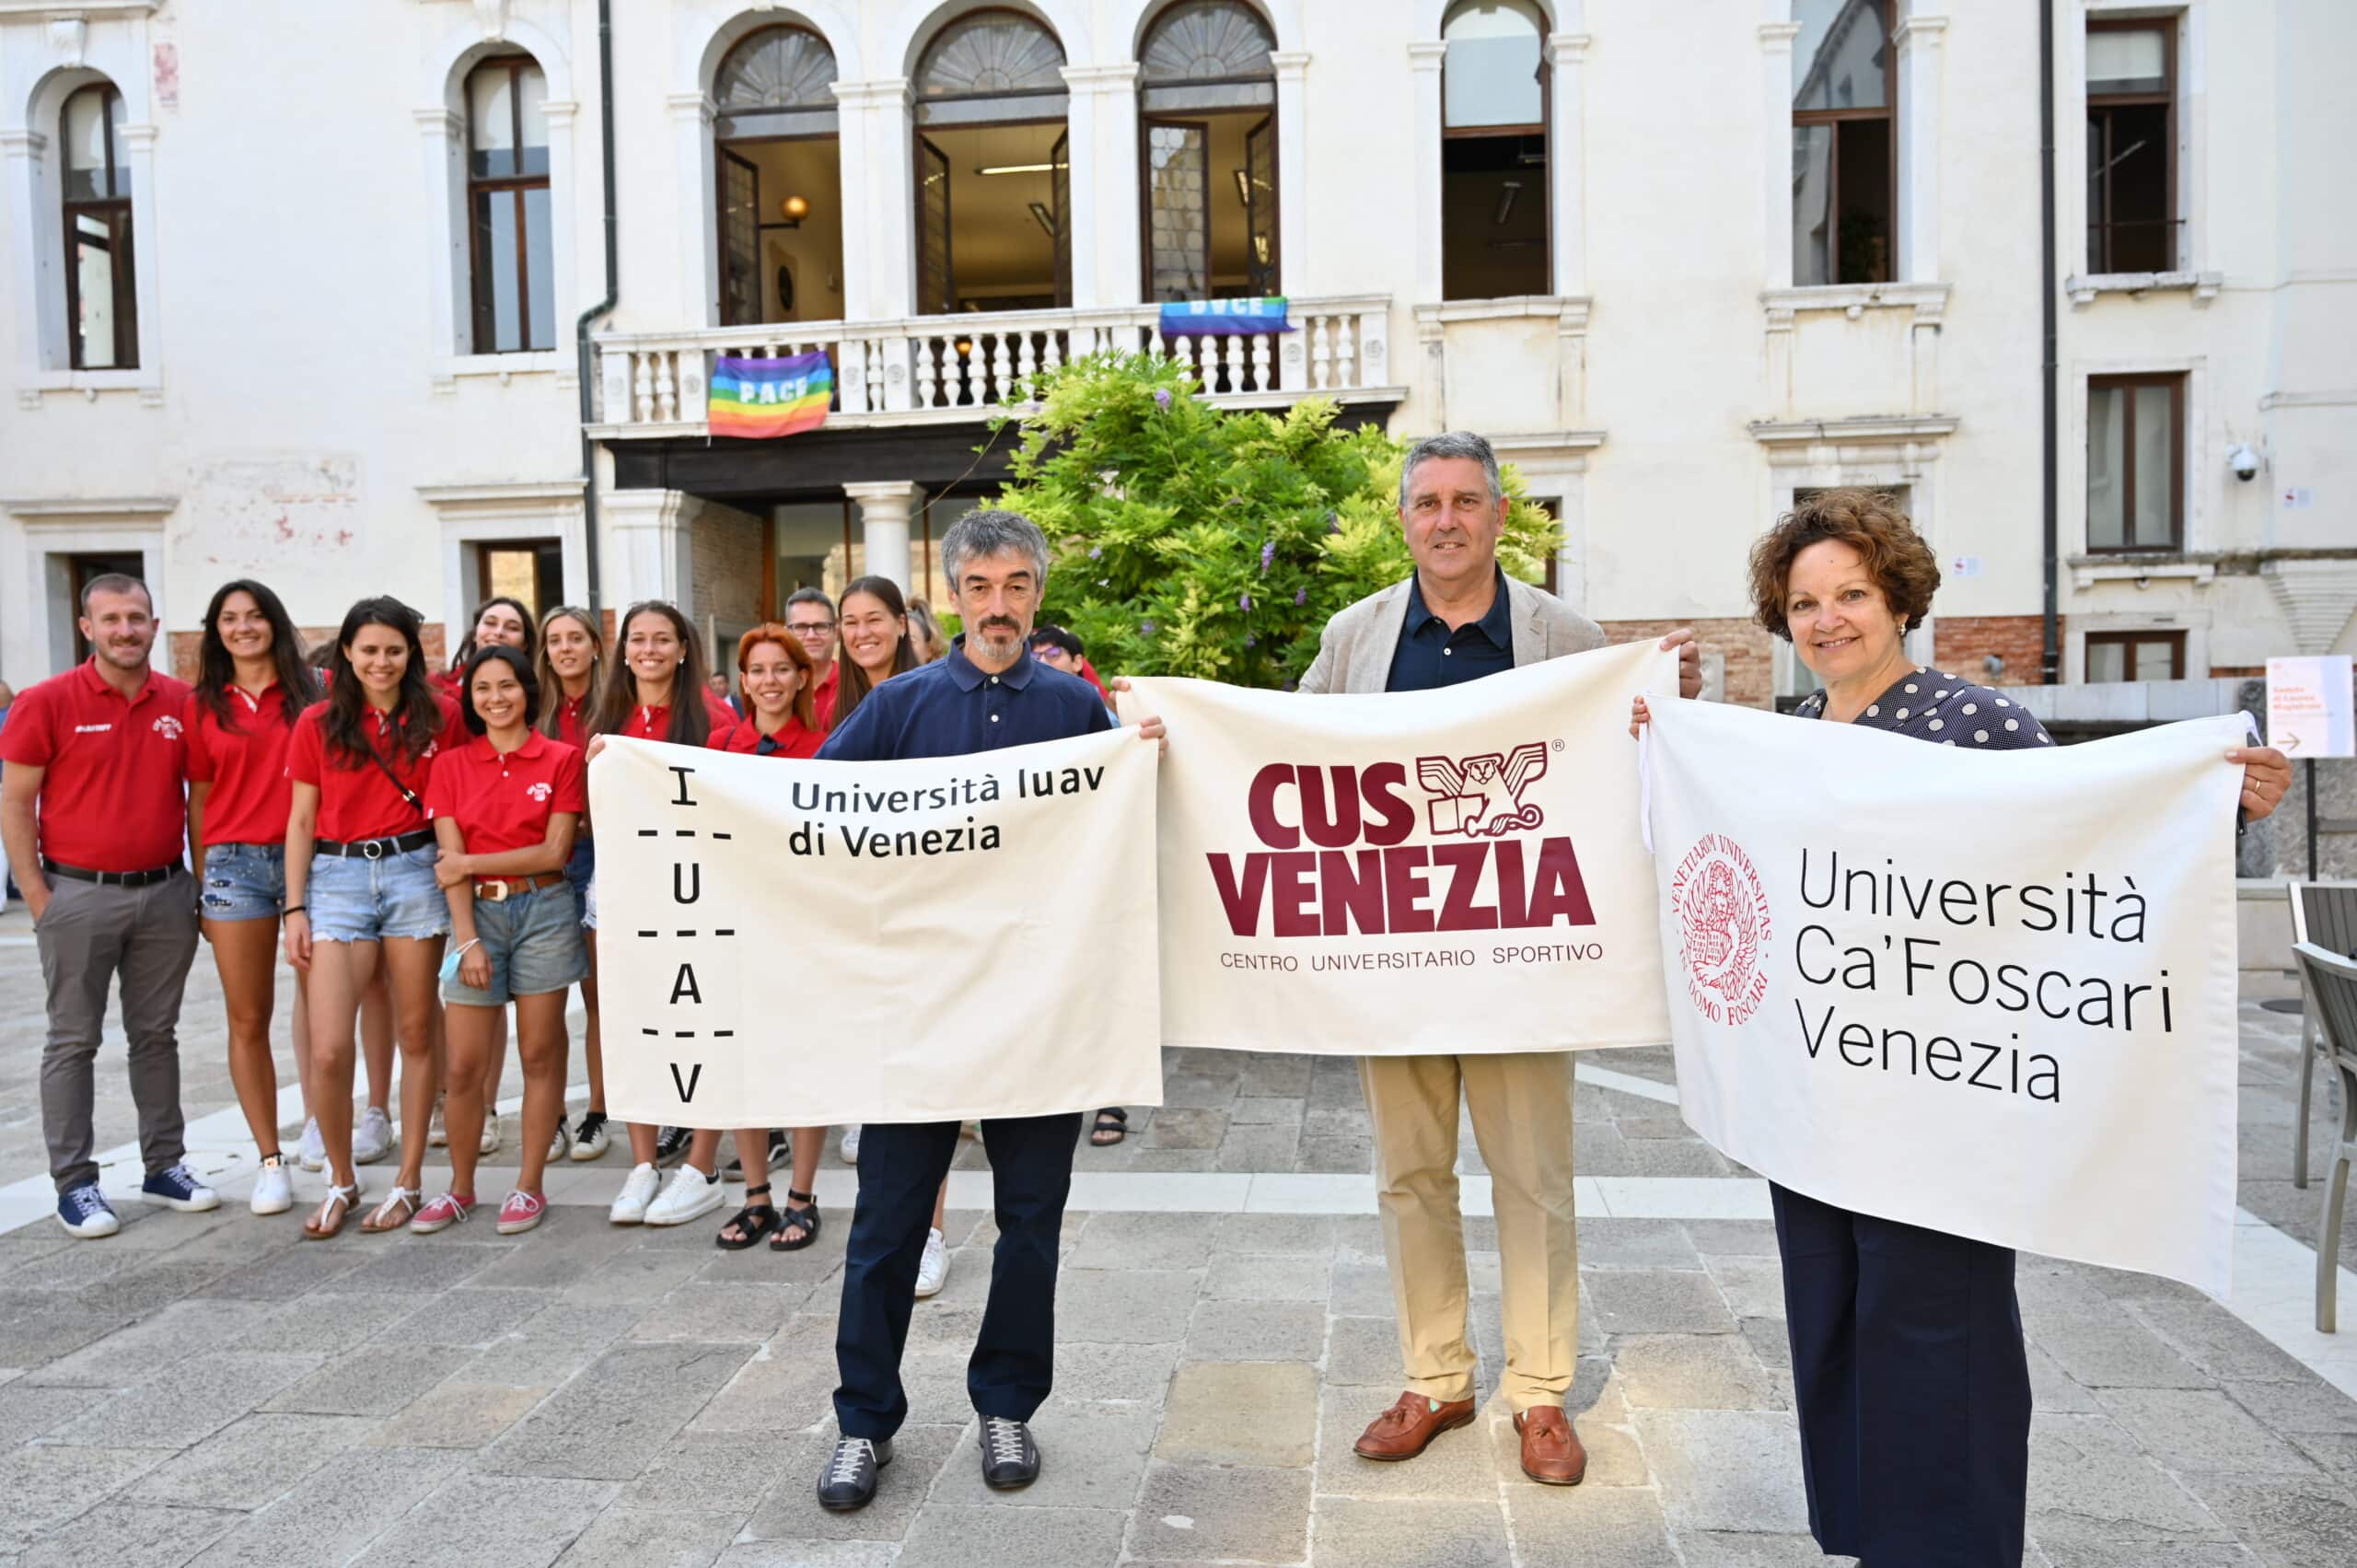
(83, 1211)
(178, 1189)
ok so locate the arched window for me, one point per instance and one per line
(512, 252)
(1493, 151)
(993, 184)
(1845, 169)
(780, 172)
(101, 303)
(1208, 148)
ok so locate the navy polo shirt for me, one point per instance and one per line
(948, 708)
(1431, 655)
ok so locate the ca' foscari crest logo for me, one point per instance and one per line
(169, 728)
(1480, 797)
(541, 791)
(1722, 929)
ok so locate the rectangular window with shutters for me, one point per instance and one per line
(2132, 146)
(2135, 462)
(2135, 656)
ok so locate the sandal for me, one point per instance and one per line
(798, 1227)
(333, 1210)
(751, 1223)
(1113, 1119)
(381, 1219)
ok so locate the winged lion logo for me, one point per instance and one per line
(1480, 797)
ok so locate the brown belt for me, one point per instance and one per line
(499, 889)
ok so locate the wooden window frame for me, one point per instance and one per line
(2175, 381)
(115, 213)
(1889, 115)
(2129, 642)
(2100, 225)
(483, 314)
(1544, 130)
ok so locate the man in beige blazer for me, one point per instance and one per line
(1457, 618)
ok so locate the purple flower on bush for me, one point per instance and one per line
(1250, 640)
(1244, 601)
(1267, 553)
(1145, 628)
(1096, 553)
(1301, 595)
(1162, 396)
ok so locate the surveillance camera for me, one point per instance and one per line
(2244, 459)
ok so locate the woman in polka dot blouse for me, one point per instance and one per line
(1909, 1370)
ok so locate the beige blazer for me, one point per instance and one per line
(1356, 653)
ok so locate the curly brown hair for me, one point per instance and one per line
(1869, 522)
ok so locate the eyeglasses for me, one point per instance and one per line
(800, 627)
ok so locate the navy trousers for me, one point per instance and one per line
(901, 1168)
(1913, 1387)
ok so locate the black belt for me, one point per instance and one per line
(111, 879)
(374, 849)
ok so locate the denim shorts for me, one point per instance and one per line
(244, 881)
(534, 942)
(578, 870)
(354, 898)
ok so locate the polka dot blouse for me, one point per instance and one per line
(1928, 706)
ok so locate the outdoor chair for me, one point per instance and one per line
(2330, 982)
(2325, 914)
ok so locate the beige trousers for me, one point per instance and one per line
(1521, 1105)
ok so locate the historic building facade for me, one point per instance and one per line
(296, 292)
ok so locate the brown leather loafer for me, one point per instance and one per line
(1408, 1428)
(1552, 1454)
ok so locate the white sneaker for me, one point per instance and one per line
(590, 1139)
(933, 1272)
(311, 1152)
(562, 1144)
(273, 1189)
(490, 1145)
(638, 1190)
(851, 1144)
(690, 1194)
(371, 1137)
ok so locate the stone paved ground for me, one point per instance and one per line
(210, 1389)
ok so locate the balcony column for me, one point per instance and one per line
(1086, 168)
(1292, 170)
(1423, 60)
(1567, 156)
(1776, 37)
(699, 225)
(646, 553)
(1919, 39)
(884, 511)
(1104, 114)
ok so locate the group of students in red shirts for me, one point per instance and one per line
(399, 833)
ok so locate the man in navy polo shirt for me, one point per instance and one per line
(987, 693)
(95, 815)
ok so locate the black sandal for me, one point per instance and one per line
(1113, 1119)
(796, 1228)
(751, 1223)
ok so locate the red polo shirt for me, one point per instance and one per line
(503, 801)
(572, 720)
(451, 683)
(822, 696)
(655, 724)
(245, 761)
(111, 798)
(793, 741)
(356, 800)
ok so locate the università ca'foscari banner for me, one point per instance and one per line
(1991, 994)
(784, 943)
(1459, 870)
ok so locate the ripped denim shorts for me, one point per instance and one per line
(243, 882)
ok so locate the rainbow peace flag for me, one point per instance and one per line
(756, 399)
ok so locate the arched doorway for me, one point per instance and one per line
(1207, 152)
(993, 185)
(779, 175)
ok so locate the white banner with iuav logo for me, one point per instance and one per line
(1450, 871)
(784, 943)
(1991, 994)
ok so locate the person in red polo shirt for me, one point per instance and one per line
(93, 813)
(811, 616)
(658, 694)
(360, 887)
(776, 670)
(251, 685)
(572, 658)
(505, 806)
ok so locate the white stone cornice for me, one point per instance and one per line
(888, 91)
(1099, 79)
(561, 108)
(22, 144)
(690, 106)
(1426, 56)
(1290, 61)
(56, 511)
(1929, 28)
(436, 121)
(1866, 430)
(1568, 48)
(138, 138)
(1777, 37)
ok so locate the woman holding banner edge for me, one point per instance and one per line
(1910, 1376)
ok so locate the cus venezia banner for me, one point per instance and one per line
(1991, 994)
(1457, 870)
(784, 943)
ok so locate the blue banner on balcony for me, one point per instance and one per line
(1224, 317)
